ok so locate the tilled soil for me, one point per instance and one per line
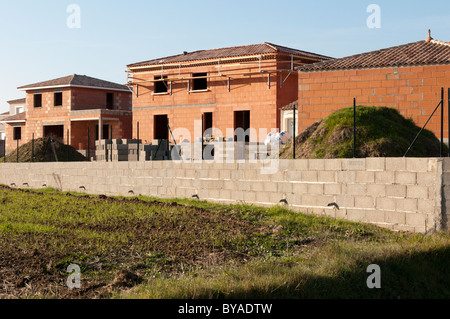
(34, 264)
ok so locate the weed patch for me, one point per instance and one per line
(148, 248)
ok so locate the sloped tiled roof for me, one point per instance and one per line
(417, 53)
(290, 106)
(237, 51)
(75, 80)
(15, 118)
(18, 101)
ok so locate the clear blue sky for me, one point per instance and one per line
(37, 44)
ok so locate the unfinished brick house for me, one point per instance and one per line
(408, 77)
(230, 88)
(72, 104)
(15, 107)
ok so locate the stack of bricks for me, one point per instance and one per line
(116, 150)
(159, 150)
(224, 152)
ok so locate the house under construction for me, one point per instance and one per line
(225, 89)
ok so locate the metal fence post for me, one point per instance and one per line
(32, 149)
(68, 155)
(244, 137)
(168, 129)
(111, 129)
(53, 147)
(442, 123)
(202, 136)
(88, 151)
(354, 127)
(138, 142)
(294, 132)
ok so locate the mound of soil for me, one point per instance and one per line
(125, 278)
(44, 151)
(380, 132)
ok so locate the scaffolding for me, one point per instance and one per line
(242, 66)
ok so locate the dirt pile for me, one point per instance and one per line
(45, 151)
(380, 132)
(125, 278)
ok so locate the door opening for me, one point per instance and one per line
(105, 132)
(56, 131)
(242, 120)
(160, 130)
(207, 124)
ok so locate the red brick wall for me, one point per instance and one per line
(247, 92)
(79, 134)
(48, 110)
(11, 144)
(36, 117)
(79, 131)
(285, 92)
(84, 99)
(73, 99)
(414, 91)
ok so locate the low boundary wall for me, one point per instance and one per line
(406, 194)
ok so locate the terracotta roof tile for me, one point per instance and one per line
(14, 118)
(416, 53)
(237, 51)
(290, 106)
(18, 101)
(75, 79)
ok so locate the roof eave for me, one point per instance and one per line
(70, 86)
(196, 61)
(306, 70)
(13, 121)
(134, 67)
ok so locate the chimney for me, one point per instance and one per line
(429, 36)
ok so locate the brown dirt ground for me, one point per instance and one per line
(29, 261)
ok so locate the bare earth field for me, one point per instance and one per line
(146, 248)
(34, 258)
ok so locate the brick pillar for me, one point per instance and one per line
(100, 129)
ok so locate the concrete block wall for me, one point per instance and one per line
(402, 194)
(445, 194)
(224, 152)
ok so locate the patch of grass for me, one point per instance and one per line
(337, 270)
(10, 227)
(195, 249)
